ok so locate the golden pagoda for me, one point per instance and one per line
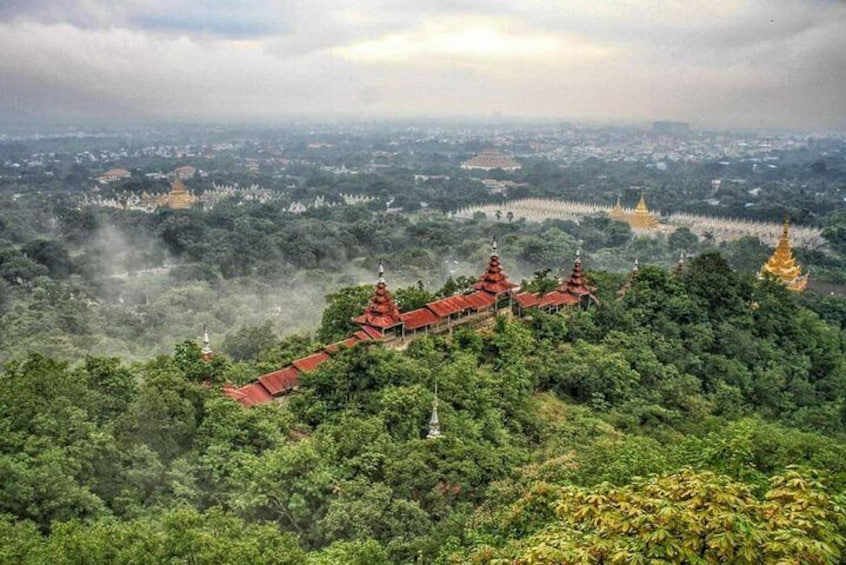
(642, 219)
(617, 212)
(782, 264)
(178, 198)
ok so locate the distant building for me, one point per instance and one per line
(670, 128)
(639, 219)
(178, 198)
(113, 175)
(185, 172)
(491, 159)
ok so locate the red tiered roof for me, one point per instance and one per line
(577, 284)
(494, 280)
(382, 312)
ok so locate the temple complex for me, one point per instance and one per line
(575, 291)
(382, 322)
(783, 266)
(178, 198)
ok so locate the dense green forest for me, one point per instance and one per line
(702, 418)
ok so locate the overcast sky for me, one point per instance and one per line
(723, 63)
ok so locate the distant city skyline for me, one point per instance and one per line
(775, 64)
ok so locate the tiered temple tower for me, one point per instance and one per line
(382, 312)
(783, 266)
(494, 280)
(577, 285)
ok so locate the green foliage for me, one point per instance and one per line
(340, 307)
(685, 517)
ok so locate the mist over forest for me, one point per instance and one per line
(702, 405)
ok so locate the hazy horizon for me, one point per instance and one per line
(769, 65)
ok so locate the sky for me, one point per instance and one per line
(722, 63)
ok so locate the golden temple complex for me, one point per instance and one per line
(178, 198)
(783, 266)
(640, 219)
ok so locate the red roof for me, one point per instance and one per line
(526, 299)
(419, 318)
(310, 363)
(494, 280)
(254, 393)
(232, 392)
(335, 347)
(280, 381)
(577, 284)
(372, 333)
(479, 300)
(446, 306)
(382, 312)
(556, 298)
(361, 336)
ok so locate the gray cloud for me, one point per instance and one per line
(756, 63)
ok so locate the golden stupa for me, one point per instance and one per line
(783, 266)
(617, 212)
(178, 198)
(641, 219)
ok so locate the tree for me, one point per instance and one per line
(686, 517)
(340, 307)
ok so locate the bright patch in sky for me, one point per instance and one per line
(465, 39)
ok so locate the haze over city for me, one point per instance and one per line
(725, 64)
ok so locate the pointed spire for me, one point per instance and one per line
(577, 284)
(494, 280)
(382, 312)
(206, 350)
(630, 282)
(434, 422)
(782, 263)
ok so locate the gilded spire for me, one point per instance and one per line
(617, 212)
(642, 218)
(782, 265)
